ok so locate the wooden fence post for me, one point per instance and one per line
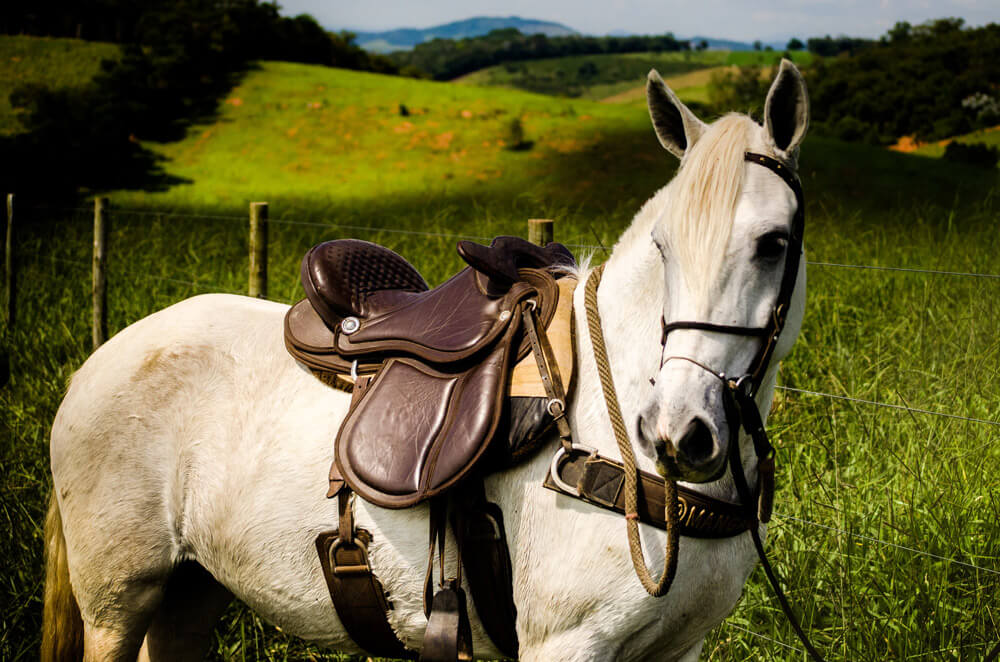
(99, 326)
(258, 250)
(541, 230)
(10, 270)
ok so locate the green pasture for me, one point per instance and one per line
(885, 532)
(48, 62)
(597, 77)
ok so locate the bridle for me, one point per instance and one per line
(779, 313)
(741, 412)
(740, 391)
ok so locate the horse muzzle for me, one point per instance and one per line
(696, 455)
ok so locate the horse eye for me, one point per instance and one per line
(772, 246)
(659, 245)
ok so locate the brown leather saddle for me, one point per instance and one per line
(429, 371)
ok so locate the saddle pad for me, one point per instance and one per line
(526, 381)
(416, 430)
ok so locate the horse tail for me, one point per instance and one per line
(62, 625)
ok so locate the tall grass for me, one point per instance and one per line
(859, 487)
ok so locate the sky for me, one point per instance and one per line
(768, 20)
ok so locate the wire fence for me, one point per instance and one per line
(460, 236)
(214, 287)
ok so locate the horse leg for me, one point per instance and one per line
(183, 624)
(116, 635)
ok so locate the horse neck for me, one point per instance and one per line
(630, 300)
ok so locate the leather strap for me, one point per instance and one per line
(599, 481)
(479, 526)
(357, 595)
(448, 636)
(755, 428)
(548, 369)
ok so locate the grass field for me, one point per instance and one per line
(332, 154)
(49, 62)
(597, 77)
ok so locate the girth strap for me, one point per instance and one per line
(357, 594)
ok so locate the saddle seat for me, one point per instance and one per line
(390, 309)
(431, 368)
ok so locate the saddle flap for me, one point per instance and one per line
(417, 430)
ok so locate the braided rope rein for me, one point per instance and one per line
(658, 587)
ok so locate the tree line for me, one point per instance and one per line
(445, 59)
(931, 81)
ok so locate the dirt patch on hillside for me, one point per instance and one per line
(908, 144)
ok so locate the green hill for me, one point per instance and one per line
(331, 138)
(48, 62)
(316, 139)
(599, 77)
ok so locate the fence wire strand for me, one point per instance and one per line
(594, 247)
(201, 286)
(913, 410)
(912, 550)
(765, 637)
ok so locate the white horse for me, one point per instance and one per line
(190, 454)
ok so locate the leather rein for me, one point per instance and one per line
(741, 410)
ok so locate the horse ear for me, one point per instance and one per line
(676, 126)
(786, 111)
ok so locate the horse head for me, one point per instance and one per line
(730, 255)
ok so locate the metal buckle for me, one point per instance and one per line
(744, 384)
(354, 370)
(554, 467)
(560, 407)
(342, 570)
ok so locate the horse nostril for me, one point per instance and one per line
(697, 446)
(647, 436)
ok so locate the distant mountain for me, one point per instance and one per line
(721, 44)
(727, 45)
(406, 38)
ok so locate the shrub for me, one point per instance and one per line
(978, 154)
(514, 137)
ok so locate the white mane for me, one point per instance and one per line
(703, 198)
(698, 205)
